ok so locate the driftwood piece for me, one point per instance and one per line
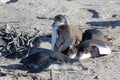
(13, 43)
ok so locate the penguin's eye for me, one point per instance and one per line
(58, 18)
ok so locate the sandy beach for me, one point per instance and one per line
(25, 16)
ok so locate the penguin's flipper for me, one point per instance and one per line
(95, 52)
(33, 61)
(42, 66)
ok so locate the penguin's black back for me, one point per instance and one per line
(41, 59)
(90, 32)
(93, 42)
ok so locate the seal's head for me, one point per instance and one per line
(60, 20)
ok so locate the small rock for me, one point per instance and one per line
(114, 16)
(97, 77)
(92, 70)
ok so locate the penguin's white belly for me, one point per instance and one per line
(85, 55)
(104, 50)
(54, 37)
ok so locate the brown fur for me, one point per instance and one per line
(102, 38)
(68, 36)
(94, 34)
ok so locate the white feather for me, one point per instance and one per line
(72, 55)
(104, 50)
(85, 55)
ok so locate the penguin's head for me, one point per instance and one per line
(60, 20)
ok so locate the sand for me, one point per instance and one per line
(102, 14)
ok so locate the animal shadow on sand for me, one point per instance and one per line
(113, 24)
(13, 67)
(46, 38)
(94, 12)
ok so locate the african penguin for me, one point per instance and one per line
(90, 49)
(46, 59)
(64, 36)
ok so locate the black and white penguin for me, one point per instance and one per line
(94, 34)
(92, 48)
(45, 59)
(64, 36)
